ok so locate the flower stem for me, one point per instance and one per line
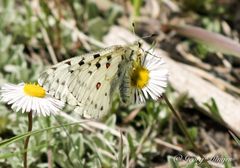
(184, 129)
(27, 139)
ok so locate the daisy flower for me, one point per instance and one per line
(148, 78)
(30, 98)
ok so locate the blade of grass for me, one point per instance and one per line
(235, 138)
(19, 137)
(18, 153)
(120, 155)
(137, 6)
(184, 130)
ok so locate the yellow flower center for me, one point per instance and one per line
(139, 77)
(34, 90)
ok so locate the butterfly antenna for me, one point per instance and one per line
(153, 45)
(145, 37)
(148, 51)
(149, 36)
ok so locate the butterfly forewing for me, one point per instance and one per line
(87, 82)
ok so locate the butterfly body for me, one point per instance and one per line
(87, 82)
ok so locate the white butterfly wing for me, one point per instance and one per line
(86, 82)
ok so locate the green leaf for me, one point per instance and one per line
(227, 162)
(191, 165)
(212, 106)
(193, 132)
(97, 27)
(120, 154)
(92, 10)
(113, 13)
(172, 162)
(137, 4)
(131, 146)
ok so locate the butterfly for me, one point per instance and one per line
(87, 82)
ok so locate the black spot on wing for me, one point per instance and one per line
(98, 65)
(109, 57)
(81, 62)
(96, 56)
(98, 85)
(68, 62)
(108, 65)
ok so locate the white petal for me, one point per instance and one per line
(14, 95)
(152, 95)
(142, 100)
(30, 105)
(25, 104)
(145, 92)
